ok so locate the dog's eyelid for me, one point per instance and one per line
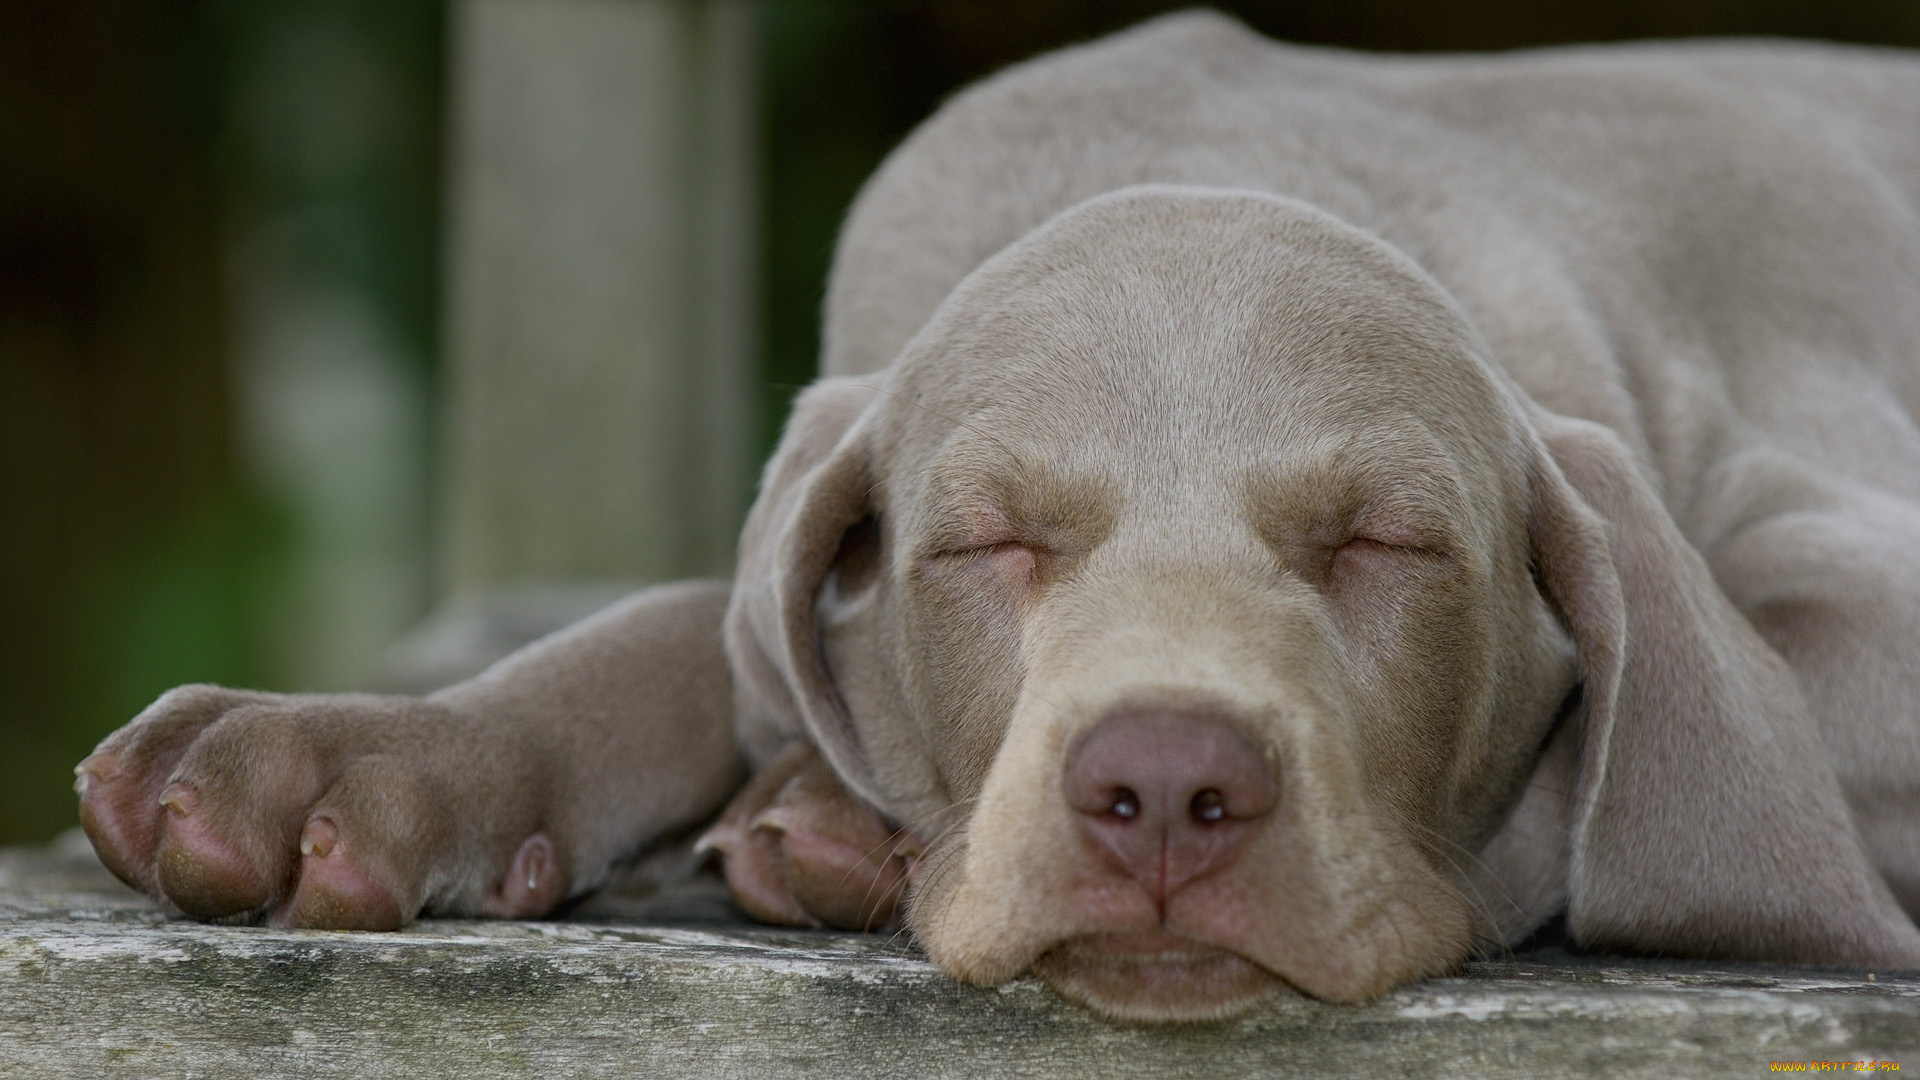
(967, 534)
(975, 550)
(1426, 550)
(1412, 529)
(974, 533)
(964, 551)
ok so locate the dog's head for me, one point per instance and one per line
(1201, 594)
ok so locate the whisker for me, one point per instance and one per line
(1470, 895)
(939, 860)
(889, 844)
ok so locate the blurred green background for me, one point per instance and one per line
(214, 213)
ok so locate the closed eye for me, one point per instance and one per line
(1368, 543)
(1004, 550)
(1366, 556)
(978, 550)
(1011, 560)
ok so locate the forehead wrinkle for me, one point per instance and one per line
(1203, 381)
(1076, 335)
(1159, 433)
(975, 480)
(1157, 399)
(1402, 475)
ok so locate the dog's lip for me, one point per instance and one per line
(1140, 947)
(1155, 976)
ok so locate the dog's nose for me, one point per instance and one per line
(1167, 795)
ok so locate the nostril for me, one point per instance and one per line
(1145, 766)
(1166, 797)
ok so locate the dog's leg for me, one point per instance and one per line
(502, 795)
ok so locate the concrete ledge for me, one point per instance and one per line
(94, 982)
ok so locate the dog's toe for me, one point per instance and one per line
(365, 849)
(230, 810)
(534, 882)
(338, 889)
(116, 817)
(122, 783)
(198, 868)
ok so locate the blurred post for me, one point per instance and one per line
(602, 280)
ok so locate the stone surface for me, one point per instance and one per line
(95, 982)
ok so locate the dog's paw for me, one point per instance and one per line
(329, 811)
(798, 849)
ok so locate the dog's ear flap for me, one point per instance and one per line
(1706, 818)
(814, 502)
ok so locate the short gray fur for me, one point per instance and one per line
(98, 983)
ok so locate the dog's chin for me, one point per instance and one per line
(1155, 977)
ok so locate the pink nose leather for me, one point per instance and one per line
(1167, 796)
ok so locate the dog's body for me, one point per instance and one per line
(1270, 516)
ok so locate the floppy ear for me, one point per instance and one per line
(814, 499)
(1706, 818)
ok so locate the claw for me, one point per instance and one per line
(319, 838)
(722, 836)
(535, 880)
(179, 799)
(772, 820)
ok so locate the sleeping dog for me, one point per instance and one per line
(1271, 518)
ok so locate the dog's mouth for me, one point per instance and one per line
(1154, 976)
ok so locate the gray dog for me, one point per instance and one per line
(1272, 517)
